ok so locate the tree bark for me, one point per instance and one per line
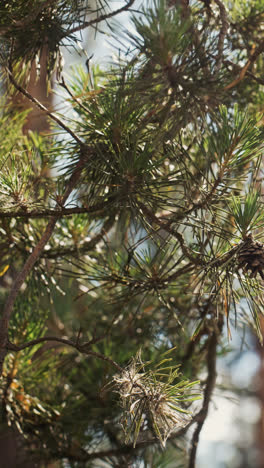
(37, 87)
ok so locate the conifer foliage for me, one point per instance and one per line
(131, 234)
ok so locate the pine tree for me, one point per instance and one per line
(131, 233)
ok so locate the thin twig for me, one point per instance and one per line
(196, 260)
(255, 52)
(106, 16)
(82, 348)
(237, 68)
(74, 98)
(60, 213)
(167, 227)
(210, 383)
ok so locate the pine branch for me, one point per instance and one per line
(30, 262)
(82, 348)
(254, 54)
(134, 276)
(196, 260)
(237, 68)
(60, 213)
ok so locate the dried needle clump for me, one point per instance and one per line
(154, 399)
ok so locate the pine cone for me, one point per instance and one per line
(251, 257)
